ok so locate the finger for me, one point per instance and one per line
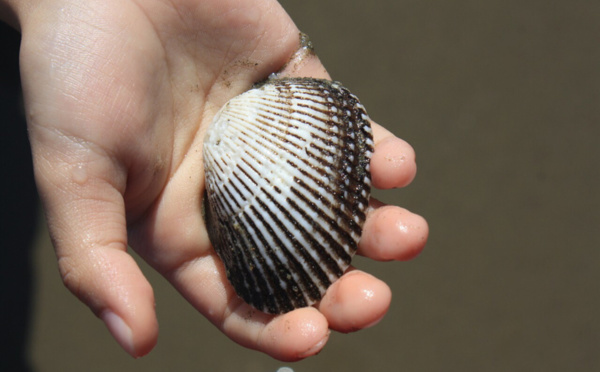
(392, 233)
(356, 301)
(288, 337)
(86, 220)
(393, 161)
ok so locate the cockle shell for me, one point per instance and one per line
(288, 186)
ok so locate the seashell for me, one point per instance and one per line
(288, 185)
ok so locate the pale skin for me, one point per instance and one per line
(118, 95)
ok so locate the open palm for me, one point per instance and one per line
(118, 97)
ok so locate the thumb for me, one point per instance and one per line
(82, 194)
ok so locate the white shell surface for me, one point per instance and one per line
(288, 184)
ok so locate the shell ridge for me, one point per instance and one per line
(306, 192)
(310, 121)
(286, 136)
(344, 236)
(294, 258)
(338, 197)
(315, 183)
(234, 191)
(225, 206)
(268, 271)
(267, 143)
(295, 120)
(300, 251)
(258, 134)
(270, 142)
(316, 187)
(306, 227)
(281, 271)
(235, 259)
(265, 192)
(267, 122)
(315, 107)
(340, 228)
(321, 166)
(248, 168)
(279, 108)
(245, 267)
(317, 193)
(266, 125)
(329, 242)
(320, 150)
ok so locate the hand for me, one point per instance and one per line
(118, 96)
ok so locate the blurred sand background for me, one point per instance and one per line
(501, 100)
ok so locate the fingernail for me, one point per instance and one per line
(316, 348)
(373, 323)
(120, 331)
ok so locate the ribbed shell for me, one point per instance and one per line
(288, 185)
